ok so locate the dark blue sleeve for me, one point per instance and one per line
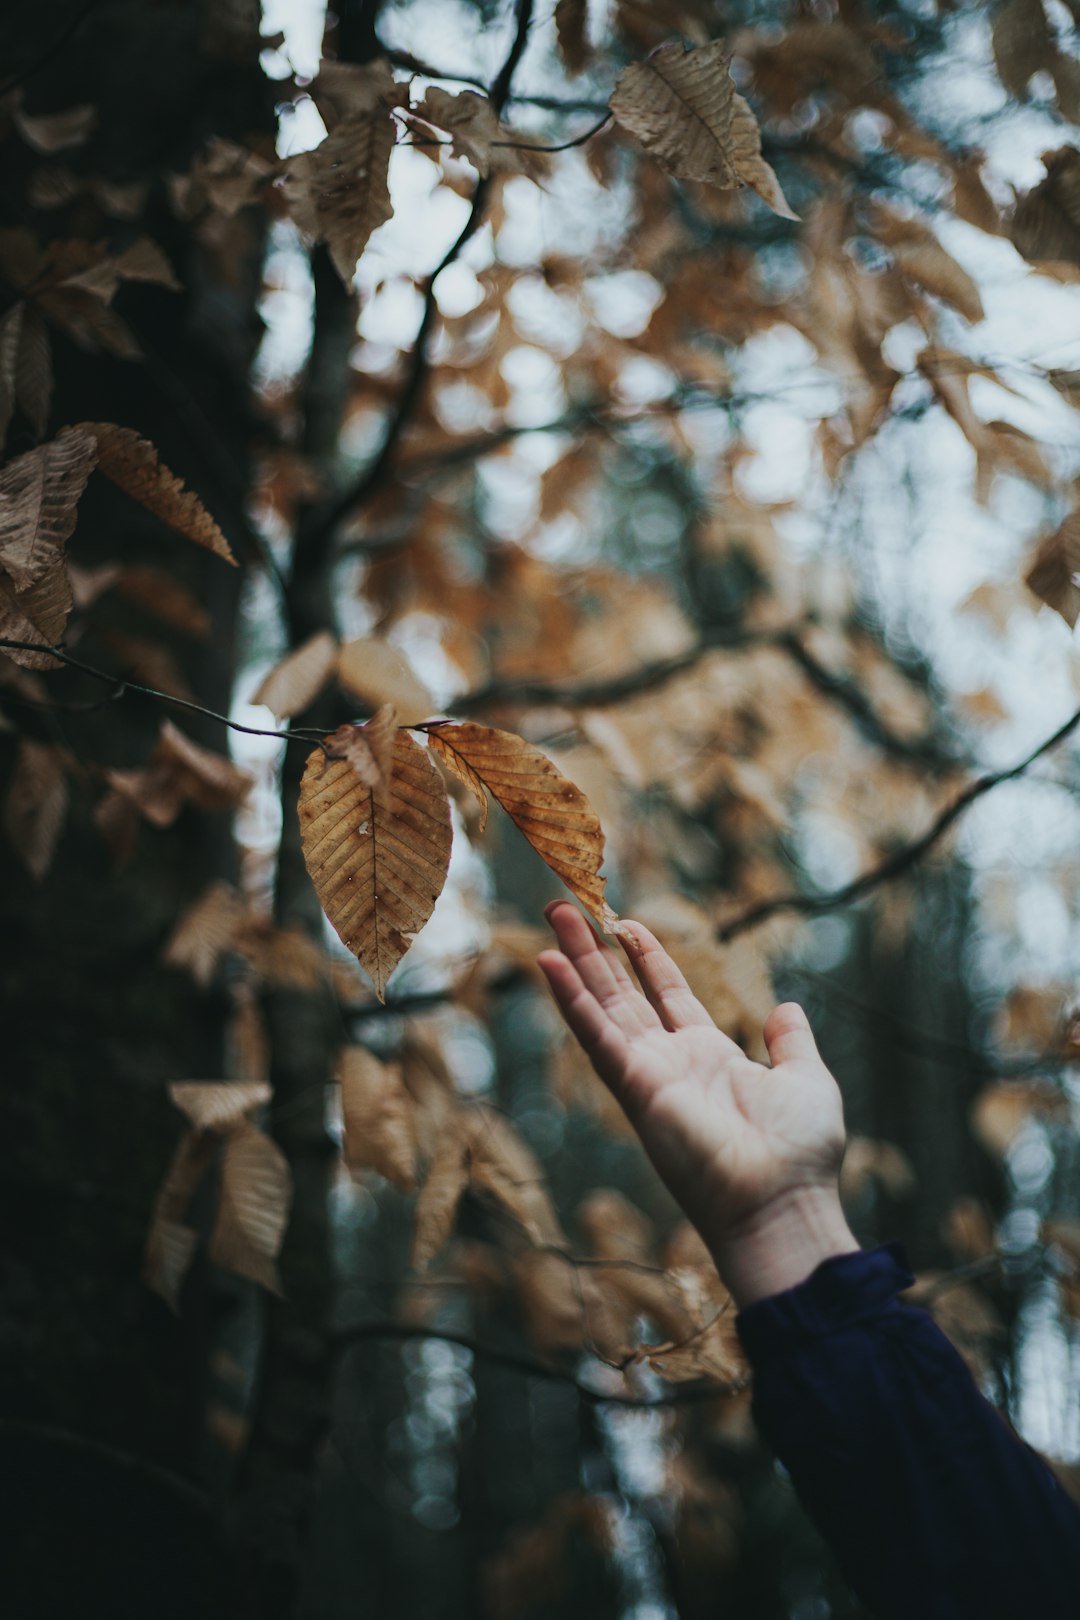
(934, 1508)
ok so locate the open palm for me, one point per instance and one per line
(728, 1136)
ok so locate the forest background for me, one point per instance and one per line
(716, 454)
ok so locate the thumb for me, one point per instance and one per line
(788, 1035)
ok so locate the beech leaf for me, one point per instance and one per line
(339, 193)
(132, 463)
(553, 814)
(502, 1165)
(38, 614)
(39, 493)
(36, 805)
(378, 862)
(205, 932)
(380, 1133)
(683, 107)
(170, 1244)
(253, 1209)
(369, 749)
(1054, 573)
(218, 1105)
(436, 1208)
(294, 683)
(376, 672)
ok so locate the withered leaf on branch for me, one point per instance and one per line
(339, 194)
(38, 614)
(684, 109)
(501, 1165)
(554, 815)
(53, 132)
(132, 463)
(436, 1208)
(571, 33)
(179, 772)
(1045, 226)
(376, 672)
(39, 494)
(476, 133)
(1054, 573)
(36, 804)
(380, 1133)
(170, 1243)
(218, 1105)
(919, 255)
(296, 681)
(26, 377)
(253, 1208)
(378, 863)
(369, 749)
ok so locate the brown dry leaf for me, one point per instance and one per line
(971, 200)
(571, 34)
(476, 133)
(253, 1210)
(436, 1208)
(378, 867)
(380, 1133)
(502, 1165)
(223, 179)
(132, 463)
(553, 814)
(969, 1230)
(1045, 226)
(170, 1244)
(570, 1308)
(714, 1351)
(26, 377)
(683, 107)
(1000, 1111)
(37, 615)
(142, 261)
(286, 957)
(54, 132)
(338, 194)
(867, 1159)
(179, 772)
(218, 1105)
(1054, 572)
(36, 805)
(368, 749)
(296, 681)
(374, 671)
(39, 493)
(165, 597)
(1022, 44)
(919, 255)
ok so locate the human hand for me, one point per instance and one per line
(751, 1153)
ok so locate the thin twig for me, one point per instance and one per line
(322, 530)
(901, 859)
(122, 686)
(514, 1361)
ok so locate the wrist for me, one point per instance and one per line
(780, 1244)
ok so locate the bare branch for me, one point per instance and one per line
(902, 859)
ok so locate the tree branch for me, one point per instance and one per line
(532, 1367)
(122, 686)
(894, 865)
(323, 528)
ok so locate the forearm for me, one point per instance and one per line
(930, 1503)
